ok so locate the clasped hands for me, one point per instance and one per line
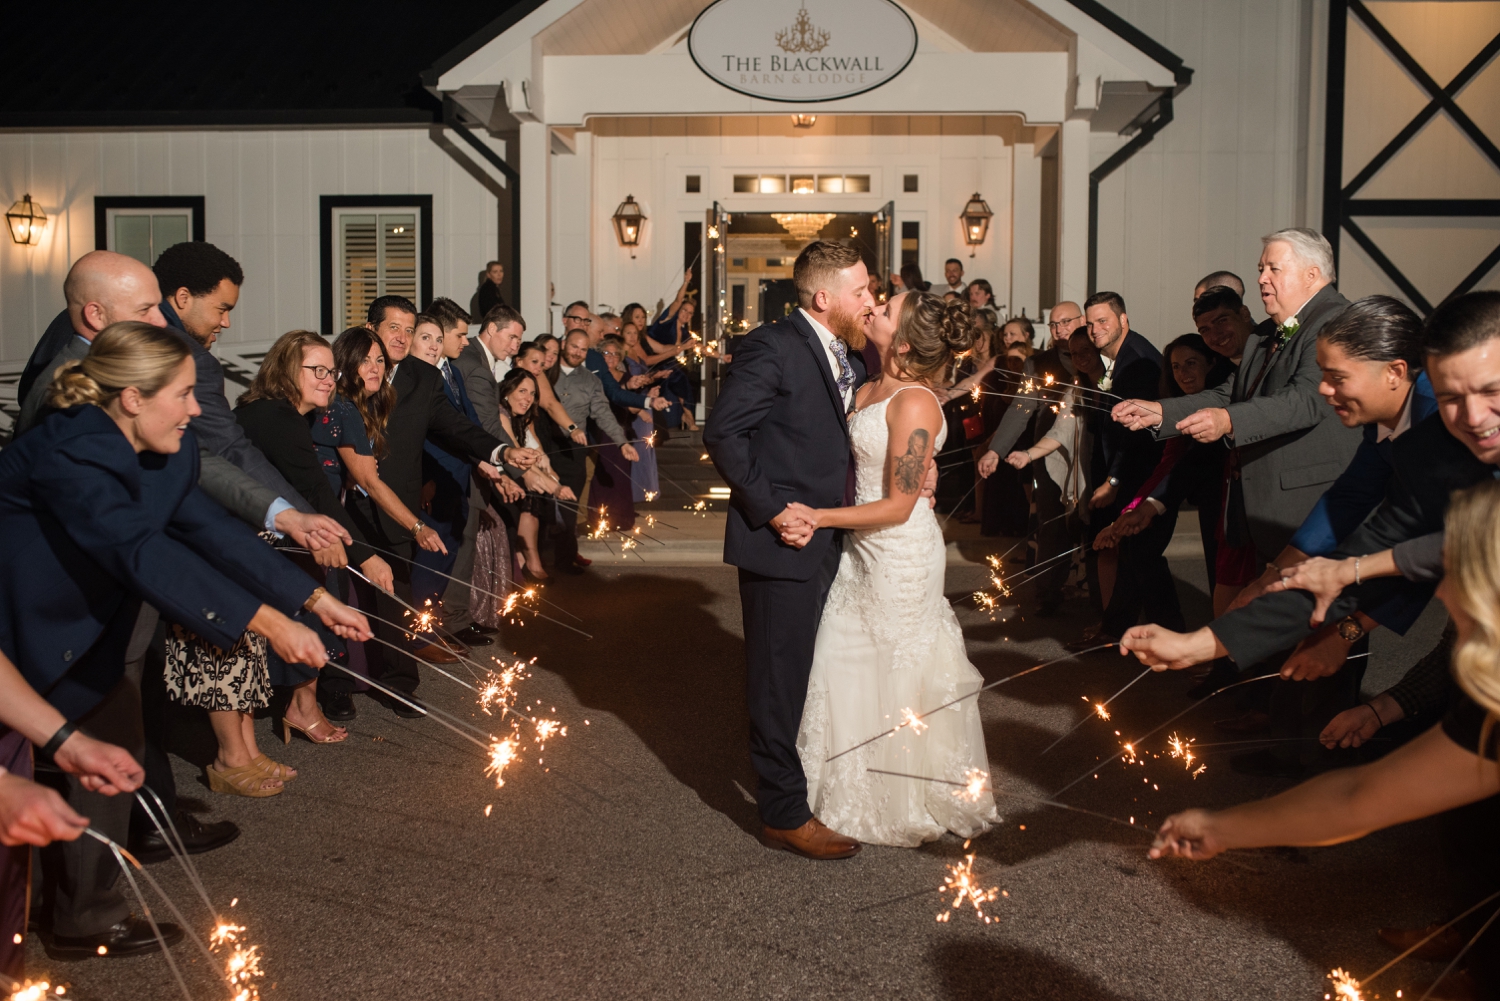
(1206, 425)
(797, 522)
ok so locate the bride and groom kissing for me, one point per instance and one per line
(841, 565)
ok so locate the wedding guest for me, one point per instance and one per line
(643, 475)
(1122, 458)
(35, 815)
(421, 413)
(489, 296)
(580, 392)
(911, 278)
(517, 392)
(953, 275)
(93, 528)
(672, 332)
(981, 295)
(551, 348)
(1450, 766)
(427, 339)
(1219, 279)
(285, 401)
(613, 491)
(1145, 525)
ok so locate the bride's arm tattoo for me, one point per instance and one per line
(910, 467)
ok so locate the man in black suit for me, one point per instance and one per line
(422, 413)
(778, 434)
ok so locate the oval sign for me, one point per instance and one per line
(802, 51)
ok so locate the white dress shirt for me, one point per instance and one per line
(826, 337)
(500, 366)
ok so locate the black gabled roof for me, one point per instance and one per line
(274, 62)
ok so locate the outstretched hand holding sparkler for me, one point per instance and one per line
(1190, 834)
(1137, 415)
(1163, 650)
(35, 815)
(320, 534)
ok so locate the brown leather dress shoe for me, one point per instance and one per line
(434, 654)
(1441, 949)
(812, 840)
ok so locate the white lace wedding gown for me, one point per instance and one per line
(889, 641)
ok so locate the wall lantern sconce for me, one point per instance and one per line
(27, 221)
(804, 121)
(629, 221)
(976, 217)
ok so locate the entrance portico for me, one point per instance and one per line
(605, 99)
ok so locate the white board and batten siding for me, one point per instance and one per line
(261, 192)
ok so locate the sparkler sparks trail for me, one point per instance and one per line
(976, 784)
(1136, 743)
(912, 720)
(242, 967)
(1100, 711)
(961, 882)
(1345, 987)
(975, 694)
(32, 990)
(1184, 749)
(502, 753)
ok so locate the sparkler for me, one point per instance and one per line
(31, 990)
(1169, 722)
(974, 694)
(962, 883)
(498, 597)
(1345, 987)
(1184, 749)
(1360, 985)
(526, 593)
(1004, 588)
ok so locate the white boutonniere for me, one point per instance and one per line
(1106, 383)
(1286, 331)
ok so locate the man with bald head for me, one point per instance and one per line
(102, 288)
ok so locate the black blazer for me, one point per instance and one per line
(1129, 455)
(1429, 464)
(779, 433)
(285, 438)
(422, 413)
(88, 529)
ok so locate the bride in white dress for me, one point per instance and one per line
(888, 641)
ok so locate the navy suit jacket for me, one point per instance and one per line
(88, 529)
(779, 433)
(1130, 455)
(450, 504)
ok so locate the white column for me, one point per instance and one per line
(534, 256)
(1026, 233)
(1073, 210)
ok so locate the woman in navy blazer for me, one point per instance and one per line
(100, 510)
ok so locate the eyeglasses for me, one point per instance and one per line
(1056, 324)
(576, 319)
(321, 372)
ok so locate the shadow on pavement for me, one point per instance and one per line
(972, 970)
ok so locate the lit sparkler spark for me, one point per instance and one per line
(1345, 987)
(986, 601)
(1049, 380)
(960, 880)
(976, 784)
(242, 968)
(1183, 749)
(425, 620)
(502, 753)
(35, 991)
(976, 393)
(510, 602)
(1100, 711)
(912, 720)
(703, 457)
(651, 495)
(650, 442)
(699, 509)
(1130, 755)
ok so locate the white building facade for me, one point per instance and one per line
(1133, 145)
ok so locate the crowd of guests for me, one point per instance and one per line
(1341, 457)
(176, 550)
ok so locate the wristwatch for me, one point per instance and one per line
(572, 428)
(1350, 629)
(1114, 481)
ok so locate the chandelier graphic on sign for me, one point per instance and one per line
(802, 35)
(803, 226)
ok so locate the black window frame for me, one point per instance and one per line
(103, 203)
(326, 205)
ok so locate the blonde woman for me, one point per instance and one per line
(1450, 765)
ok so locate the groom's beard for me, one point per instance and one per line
(848, 327)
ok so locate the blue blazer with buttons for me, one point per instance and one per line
(450, 504)
(89, 529)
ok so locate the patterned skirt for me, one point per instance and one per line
(492, 570)
(202, 675)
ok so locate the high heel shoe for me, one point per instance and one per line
(535, 577)
(246, 780)
(274, 769)
(321, 732)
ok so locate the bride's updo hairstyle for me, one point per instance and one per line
(934, 331)
(1471, 551)
(124, 354)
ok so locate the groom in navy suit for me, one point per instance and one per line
(779, 433)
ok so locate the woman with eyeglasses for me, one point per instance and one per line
(291, 391)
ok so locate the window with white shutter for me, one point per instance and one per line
(370, 246)
(377, 255)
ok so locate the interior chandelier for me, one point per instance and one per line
(803, 226)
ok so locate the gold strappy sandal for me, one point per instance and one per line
(246, 780)
(274, 769)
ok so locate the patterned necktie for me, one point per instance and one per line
(846, 374)
(448, 378)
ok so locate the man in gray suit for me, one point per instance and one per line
(1287, 447)
(486, 358)
(1287, 443)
